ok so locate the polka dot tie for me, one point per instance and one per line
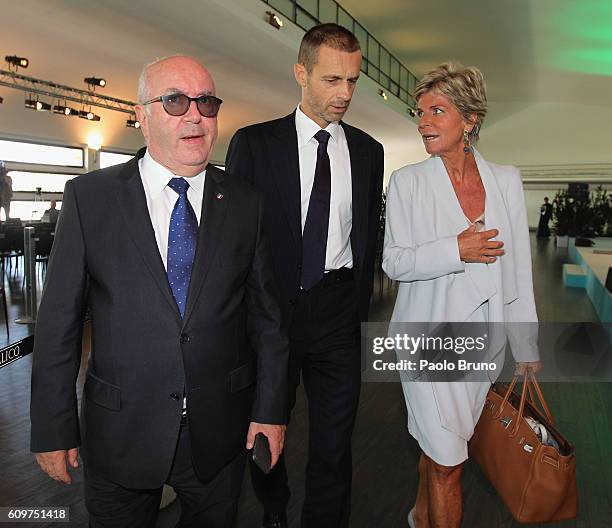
(182, 239)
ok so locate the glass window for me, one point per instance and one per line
(28, 210)
(362, 37)
(395, 68)
(384, 61)
(384, 80)
(309, 5)
(327, 11)
(373, 72)
(48, 182)
(404, 78)
(108, 159)
(344, 19)
(412, 82)
(21, 152)
(284, 6)
(304, 20)
(394, 88)
(373, 49)
(364, 65)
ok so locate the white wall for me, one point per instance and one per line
(548, 133)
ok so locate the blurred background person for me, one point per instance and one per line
(546, 210)
(6, 190)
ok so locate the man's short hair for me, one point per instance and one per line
(332, 35)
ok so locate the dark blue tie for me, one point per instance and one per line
(182, 240)
(314, 238)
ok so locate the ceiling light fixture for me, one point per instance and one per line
(411, 111)
(66, 110)
(95, 81)
(383, 94)
(17, 62)
(274, 20)
(132, 123)
(41, 106)
(30, 103)
(89, 115)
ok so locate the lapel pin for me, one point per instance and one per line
(219, 196)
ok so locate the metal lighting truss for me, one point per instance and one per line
(31, 85)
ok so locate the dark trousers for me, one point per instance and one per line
(325, 348)
(211, 505)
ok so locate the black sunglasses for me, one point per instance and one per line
(178, 104)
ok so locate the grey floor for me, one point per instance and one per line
(385, 456)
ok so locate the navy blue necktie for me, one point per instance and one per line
(182, 240)
(314, 238)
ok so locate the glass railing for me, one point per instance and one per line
(378, 63)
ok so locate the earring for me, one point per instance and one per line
(466, 142)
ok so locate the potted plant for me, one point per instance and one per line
(563, 214)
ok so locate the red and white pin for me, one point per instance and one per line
(219, 196)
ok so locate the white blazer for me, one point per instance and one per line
(421, 251)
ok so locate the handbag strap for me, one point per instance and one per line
(521, 409)
(506, 397)
(538, 390)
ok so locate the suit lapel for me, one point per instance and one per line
(284, 149)
(214, 208)
(360, 195)
(133, 205)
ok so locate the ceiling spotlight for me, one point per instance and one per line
(132, 123)
(383, 94)
(95, 81)
(411, 111)
(89, 115)
(17, 62)
(41, 106)
(66, 110)
(30, 103)
(274, 20)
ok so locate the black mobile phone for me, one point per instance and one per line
(261, 453)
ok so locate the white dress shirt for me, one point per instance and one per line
(339, 252)
(161, 198)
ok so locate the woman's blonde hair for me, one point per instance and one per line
(465, 88)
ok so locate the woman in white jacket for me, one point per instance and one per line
(452, 268)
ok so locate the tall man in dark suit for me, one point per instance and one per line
(321, 180)
(188, 361)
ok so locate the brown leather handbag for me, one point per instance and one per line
(537, 482)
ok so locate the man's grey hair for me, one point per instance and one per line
(143, 88)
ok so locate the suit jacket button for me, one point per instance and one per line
(175, 396)
(185, 338)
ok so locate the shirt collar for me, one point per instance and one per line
(306, 128)
(158, 176)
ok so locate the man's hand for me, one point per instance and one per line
(478, 247)
(53, 463)
(275, 435)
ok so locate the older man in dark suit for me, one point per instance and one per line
(321, 180)
(188, 360)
